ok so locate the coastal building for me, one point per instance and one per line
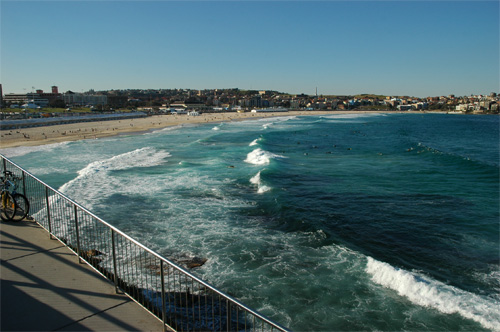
(38, 98)
(294, 104)
(188, 105)
(404, 107)
(24, 98)
(18, 98)
(256, 101)
(50, 96)
(117, 101)
(79, 99)
(32, 99)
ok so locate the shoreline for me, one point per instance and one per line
(36, 136)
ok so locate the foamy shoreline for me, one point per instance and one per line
(98, 129)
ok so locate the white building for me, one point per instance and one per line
(72, 98)
(26, 98)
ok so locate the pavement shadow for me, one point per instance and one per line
(22, 280)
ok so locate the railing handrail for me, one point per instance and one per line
(155, 254)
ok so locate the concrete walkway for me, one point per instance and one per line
(45, 288)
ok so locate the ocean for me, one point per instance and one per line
(372, 222)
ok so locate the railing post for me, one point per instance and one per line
(113, 249)
(77, 235)
(48, 211)
(228, 315)
(24, 183)
(163, 309)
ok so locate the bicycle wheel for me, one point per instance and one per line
(22, 207)
(8, 205)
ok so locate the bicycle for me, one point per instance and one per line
(8, 204)
(12, 199)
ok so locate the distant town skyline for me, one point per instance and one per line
(55, 89)
(400, 48)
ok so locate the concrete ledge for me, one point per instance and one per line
(45, 288)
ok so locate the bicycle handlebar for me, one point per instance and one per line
(10, 174)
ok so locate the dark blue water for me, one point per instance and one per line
(342, 222)
(418, 186)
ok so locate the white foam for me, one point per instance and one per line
(255, 179)
(166, 129)
(23, 150)
(254, 142)
(94, 180)
(38, 171)
(351, 115)
(276, 121)
(261, 157)
(261, 188)
(427, 292)
(491, 278)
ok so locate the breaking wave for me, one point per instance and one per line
(94, 179)
(254, 142)
(261, 188)
(427, 292)
(261, 157)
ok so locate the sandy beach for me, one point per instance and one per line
(98, 129)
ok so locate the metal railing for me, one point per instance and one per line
(178, 298)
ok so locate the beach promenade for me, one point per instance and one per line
(45, 288)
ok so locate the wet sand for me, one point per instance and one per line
(98, 129)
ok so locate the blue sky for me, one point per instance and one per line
(416, 48)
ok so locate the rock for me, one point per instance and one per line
(193, 262)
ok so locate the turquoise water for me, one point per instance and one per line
(322, 223)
